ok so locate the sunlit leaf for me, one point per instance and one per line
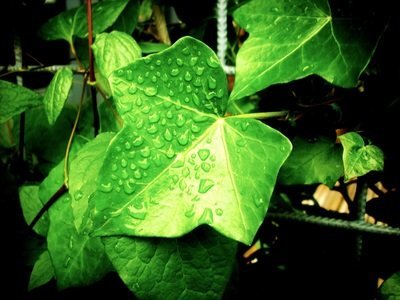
(15, 99)
(42, 271)
(178, 158)
(293, 39)
(72, 23)
(358, 158)
(31, 205)
(196, 266)
(84, 169)
(317, 161)
(57, 93)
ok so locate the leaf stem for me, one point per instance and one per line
(263, 115)
(71, 137)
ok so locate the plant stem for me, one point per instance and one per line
(263, 115)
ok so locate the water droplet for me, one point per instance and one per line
(171, 93)
(145, 152)
(183, 139)
(114, 177)
(175, 178)
(209, 96)
(170, 152)
(140, 79)
(182, 185)
(71, 241)
(132, 89)
(169, 61)
(203, 154)
(106, 187)
(274, 9)
(258, 202)
(167, 135)
(139, 101)
(206, 167)
(147, 60)
(140, 215)
(124, 163)
(120, 183)
(137, 174)
(206, 217)
(152, 129)
(132, 166)
(179, 62)
(129, 187)
(189, 213)
(241, 142)
(212, 62)
(188, 76)
(138, 141)
(188, 90)
(219, 212)
(194, 128)
(150, 91)
(144, 163)
(127, 145)
(66, 261)
(186, 172)
(283, 148)
(169, 114)
(200, 71)
(118, 148)
(244, 125)
(124, 174)
(153, 79)
(196, 100)
(158, 142)
(193, 60)
(186, 51)
(180, 120)
(154, 118)
(174, 72)
(158, 62)
(212, 82)
(205, 185)
(209, 140)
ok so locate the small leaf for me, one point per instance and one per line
(42, 271)
(313, 162)
(57, 93)
(148, 47)
(196, 266)
(72, 23)
(114, 50)
(145, 11)
(291, 40)
(15, 99)
(31, 205)
(390, 289)
(177, 156)
(359, 159)
(83, 173)
(128, 18)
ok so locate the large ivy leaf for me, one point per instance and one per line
(15, 99)
(128, 18)
(57, 93)
(196, 266)
(78, 259)
(390, 289)
(177, 158)
(291, 40)
(84, 170)
(73, 22)
(358, 158)
(42, 271)
(31, 205)
(319, 161)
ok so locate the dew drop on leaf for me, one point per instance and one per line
(179, 62)
(66, 261)
(144, 163)
(150, 91)
(205, 185)
(188, 77)
(199, 71)
(137, 174)
(167, 135)
(78, 195)
(188, 90)
(189, 213)
(219, 212)
(129, 187)
(124, 174)
(212, 82)
(71, 242)
(203, 154)
(140, 79)
(206, 167)
(132, 166)
(127, 145)
(244, 125)
(152, 129)
(186, 51)
(138, 141)
(212, 62)
(258, 202)
(193, 60)
(174, 72)
(124, 163)
(106, 187)
(241, 142)
(154, 117)
(170, 152)
(206, 217)
(139, 101)
(132, 89)
(183, 139)
(180, 120)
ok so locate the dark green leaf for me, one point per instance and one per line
(7, 139)
(108, 121)
(196, 266)
(178, 157)
(128, 18)
(31, 205)
(42, 271)
(359, 159)
(291, 40)
(57, 93)
(73, 22)
(114, 50)
(148, 47)
(83, 174)
(390, 289)
(319, 161)
(15, 99)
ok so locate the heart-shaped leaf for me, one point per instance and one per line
(319, 161)
(358, 158)
(177, 158)
(293, 39)
(15, 99)
(196, 266)
(57, 93)
(72, 23)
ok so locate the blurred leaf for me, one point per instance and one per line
(145, 11)
(390, 289)
(42, 271)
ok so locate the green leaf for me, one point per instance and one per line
(196, 266)
(319, 161)
(114, 50)
(42, 271)
(148, 47)
(7, 139)
(73, 22)
(359, 159)
(57, 93)
(291, 40)
(244, 106)
(128, 18)
(83, 172)
(15, 99)
(31, 205)
(390, 289)
(146, 10)
(177, 157)
(108, 121)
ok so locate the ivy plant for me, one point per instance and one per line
(178, 174)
